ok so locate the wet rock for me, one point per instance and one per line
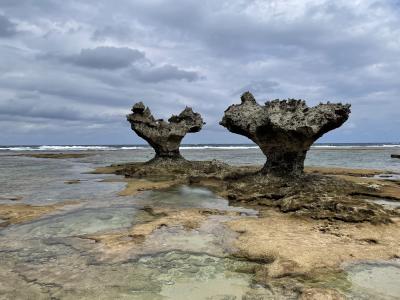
(314, 196)
(335, 208)
(166, 169)
(283, 129)
(395, 156)
(72, 181)
(317, 195)
(320, 293)
(20, 213)
(10, 198)
(164, 137)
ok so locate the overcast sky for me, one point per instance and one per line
(71, 70)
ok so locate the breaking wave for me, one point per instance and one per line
(184, 147)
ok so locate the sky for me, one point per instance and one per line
(71, 70)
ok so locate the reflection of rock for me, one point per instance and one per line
(395, 156)
(164, 137)
(284, 129)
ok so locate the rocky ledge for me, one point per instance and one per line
(330, 194)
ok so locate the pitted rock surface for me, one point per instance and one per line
(164, 137)
(283, 129)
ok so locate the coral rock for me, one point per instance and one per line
(283, 129)
(164, 137)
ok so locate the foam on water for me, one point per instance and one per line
(183, 147)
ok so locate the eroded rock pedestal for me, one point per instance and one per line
(164, 137)
(283, 129)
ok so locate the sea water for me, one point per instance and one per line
(48, 258)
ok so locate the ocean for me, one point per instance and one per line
(351, 155)
(52, 256)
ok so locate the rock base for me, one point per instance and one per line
(315, 196)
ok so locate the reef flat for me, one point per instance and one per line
(321, 193)
(306, 227)
(20, 213)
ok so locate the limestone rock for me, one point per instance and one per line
(164, 137)
(283, 129)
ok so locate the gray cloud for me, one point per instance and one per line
(163, 73)
(260, 87)
(13, 108)
(7, 28)
(105, 57)
(86, 63)
(113, 58)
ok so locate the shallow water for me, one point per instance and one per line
(80, 221)
(387, 203)
(52, 258)
(375, 280)
(184, 196)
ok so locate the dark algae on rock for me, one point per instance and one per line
(283, 129)
(164, 137)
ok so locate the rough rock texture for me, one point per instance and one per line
(318, 293)
(164, 137)
(325, 194)
(283, 129)
(313, 196)
(20, 213)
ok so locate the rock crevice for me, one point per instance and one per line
(283, 129)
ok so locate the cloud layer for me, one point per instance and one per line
(70, 70)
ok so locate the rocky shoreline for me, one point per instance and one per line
(332, 194)
(299, 234)
(305, 229)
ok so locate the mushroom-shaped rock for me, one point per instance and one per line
(283, 129)
(164, 137)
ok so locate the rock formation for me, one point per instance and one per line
(164, 137)
(283, 129)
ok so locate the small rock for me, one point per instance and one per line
(72, 181)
